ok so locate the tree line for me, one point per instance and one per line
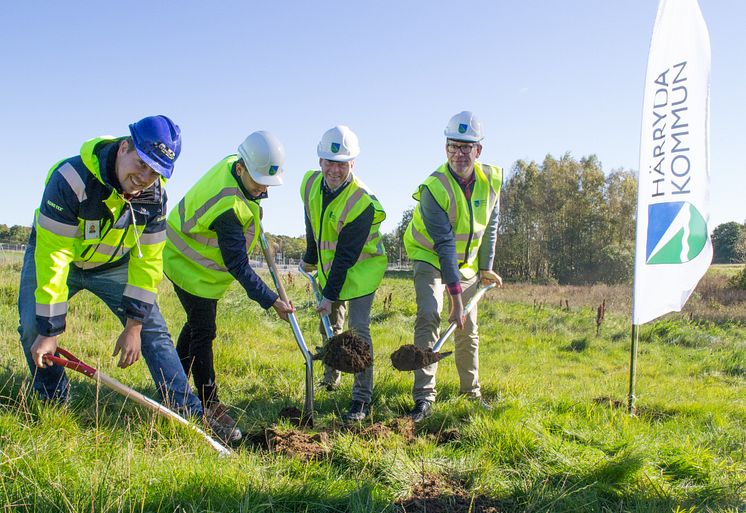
(562, 220)
(16, 234)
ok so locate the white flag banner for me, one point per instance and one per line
(673, 249)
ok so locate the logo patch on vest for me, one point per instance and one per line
(477, 203)
(335, 147)
(92, 229)
(462, 127)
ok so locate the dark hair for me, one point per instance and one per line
(130, 143)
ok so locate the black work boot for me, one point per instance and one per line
(358, 411)
(422, 409)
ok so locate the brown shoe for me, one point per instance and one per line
(221, 424)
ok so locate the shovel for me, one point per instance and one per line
(345, 352)
(307, 417)
(70, 361)
(411, 357)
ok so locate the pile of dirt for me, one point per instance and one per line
(404, 427)
(410, 357)
(430, 494)
(292, 443)
(347, 352)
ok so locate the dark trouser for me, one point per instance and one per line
(195, 343)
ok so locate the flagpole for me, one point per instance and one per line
(632, 370)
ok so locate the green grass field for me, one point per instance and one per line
(559, 438)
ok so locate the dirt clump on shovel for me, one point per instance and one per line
(410, 357)
(346, 352)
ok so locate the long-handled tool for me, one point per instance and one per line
(307, 417)
(411, 357)
(345, 352)
(70, 361)
(317, 294)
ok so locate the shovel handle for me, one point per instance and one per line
(467, 309)
(308, 407)
(70, 361)
(316, 292)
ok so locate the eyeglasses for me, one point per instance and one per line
(465, 149)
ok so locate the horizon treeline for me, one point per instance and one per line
(561, 221)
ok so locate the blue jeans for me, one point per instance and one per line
(157, 349)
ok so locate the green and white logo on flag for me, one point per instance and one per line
(677, 233)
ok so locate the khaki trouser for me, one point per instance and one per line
(359, 321)
(429, 289)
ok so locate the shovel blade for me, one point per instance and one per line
(410, 357)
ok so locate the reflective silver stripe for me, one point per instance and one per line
(327, 267)
(51, 310)
(249, 234)
(307, 192)
(327, 245)
(153, 238)
(105, 249)
(463, 237)
(332, 245)
(420, 237)
(379, 252)
(187, 225)
(192, 255)
(443, 179)
(58, 228)
(140, 294)
(74, 180)
(88, 265)
(351, 201)
(206, 241)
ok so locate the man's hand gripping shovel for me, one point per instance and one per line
(411, 357)
(345, 352)
(70, 361)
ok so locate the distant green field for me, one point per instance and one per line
(559, 438)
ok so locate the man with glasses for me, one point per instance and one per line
(343, 241)
(101, 227)
(451, 240)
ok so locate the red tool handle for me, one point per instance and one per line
(70, 361)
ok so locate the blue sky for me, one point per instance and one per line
(545, 77)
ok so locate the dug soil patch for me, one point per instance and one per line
(431, 494)
(347, 352)
(410, 357)
(291, 443)
(404, 427)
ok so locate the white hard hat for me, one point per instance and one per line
(339, 144)
(264, 156)
(464, 126)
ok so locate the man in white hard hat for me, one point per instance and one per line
(343, 241)
(209, 236)
(451, 240)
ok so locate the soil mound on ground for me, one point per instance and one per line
(292, 443)
(410, 357)
(431, 494)
(347, 352)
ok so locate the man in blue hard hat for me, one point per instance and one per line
(101, 226)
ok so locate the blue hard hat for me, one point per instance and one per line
(157, 140)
